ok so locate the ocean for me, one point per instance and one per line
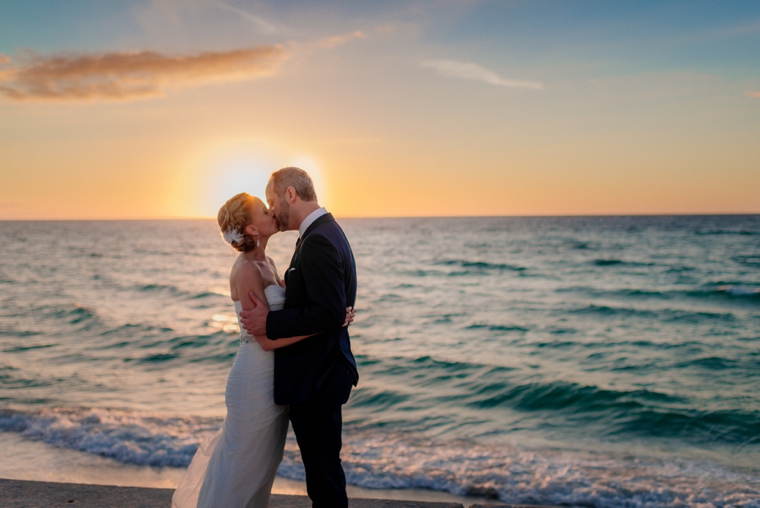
(585, 361)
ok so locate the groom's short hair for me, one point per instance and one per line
(296, 178)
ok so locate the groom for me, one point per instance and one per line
(314, 375)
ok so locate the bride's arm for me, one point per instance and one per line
(268, 344)
(248, 279)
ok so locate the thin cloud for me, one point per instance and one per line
(129, 75)
(386, 29)
(742, 29)
(337, 40)
(4, 59)
(753, 94)
(474, 72)
(262, 25)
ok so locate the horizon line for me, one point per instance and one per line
(190, 218)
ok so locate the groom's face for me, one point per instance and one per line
(279, 207)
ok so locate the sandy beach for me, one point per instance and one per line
(31, 494)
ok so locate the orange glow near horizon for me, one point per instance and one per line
(367, 180)
(389, 121)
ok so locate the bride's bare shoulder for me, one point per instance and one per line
(244, 269)
(245, 276)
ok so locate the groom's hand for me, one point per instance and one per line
(255, 320)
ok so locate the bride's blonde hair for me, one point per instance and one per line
(233, 217)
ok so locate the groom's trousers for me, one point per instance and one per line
(317, 423)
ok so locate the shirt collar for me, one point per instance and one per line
(309, 220)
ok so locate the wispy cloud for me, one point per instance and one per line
(337, 40)
(262, 25)
(753, 94)
(163, 14)
(741, 29)
(386, 28)
(129, 75)
(475, 72)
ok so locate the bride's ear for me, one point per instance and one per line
(250, 230)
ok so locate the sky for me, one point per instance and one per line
(166, 108)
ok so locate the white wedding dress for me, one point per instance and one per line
(235, 468)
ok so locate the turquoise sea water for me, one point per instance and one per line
(607, 361)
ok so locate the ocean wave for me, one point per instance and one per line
(122, 435)
(727, 291)
(620, 262)
(480, 265)
(753, 261)
(11, 378)
(518, 475)
(497, 328)
(19, 349)
(173, 290)
(561, 395)
(714, 232)
(739, 291)
(618, 414)
(136, 330)
(377, 459)
(663, 315)
(149, 288)
(72, 314)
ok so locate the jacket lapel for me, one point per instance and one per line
(294, 260)
(321, 220)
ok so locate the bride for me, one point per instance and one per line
(236, 467)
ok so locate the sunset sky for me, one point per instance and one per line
(165, 108)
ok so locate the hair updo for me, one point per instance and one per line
(233, 217)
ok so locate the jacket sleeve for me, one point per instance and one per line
(324, 282)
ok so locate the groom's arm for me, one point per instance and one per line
(323, 277)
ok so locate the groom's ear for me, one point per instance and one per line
(290, 195)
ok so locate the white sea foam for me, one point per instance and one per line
(519, 475)
(388, 461)
(131, 438)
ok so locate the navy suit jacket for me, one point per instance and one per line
(320, 284)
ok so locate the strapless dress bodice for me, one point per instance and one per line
(275, 298)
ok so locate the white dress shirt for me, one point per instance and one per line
(309, 220)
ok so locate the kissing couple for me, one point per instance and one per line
(294, 361)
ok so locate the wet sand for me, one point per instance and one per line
(32, 494)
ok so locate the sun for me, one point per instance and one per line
(222, 171)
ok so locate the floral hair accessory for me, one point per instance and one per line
(233, 235)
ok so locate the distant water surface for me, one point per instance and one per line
(606, 361)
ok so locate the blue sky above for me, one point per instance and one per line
(647, 35)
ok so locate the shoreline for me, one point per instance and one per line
(36, 494)
(38, 462)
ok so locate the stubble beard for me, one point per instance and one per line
(283, 217)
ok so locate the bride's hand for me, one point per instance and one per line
(265, 342)
(350, 315)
